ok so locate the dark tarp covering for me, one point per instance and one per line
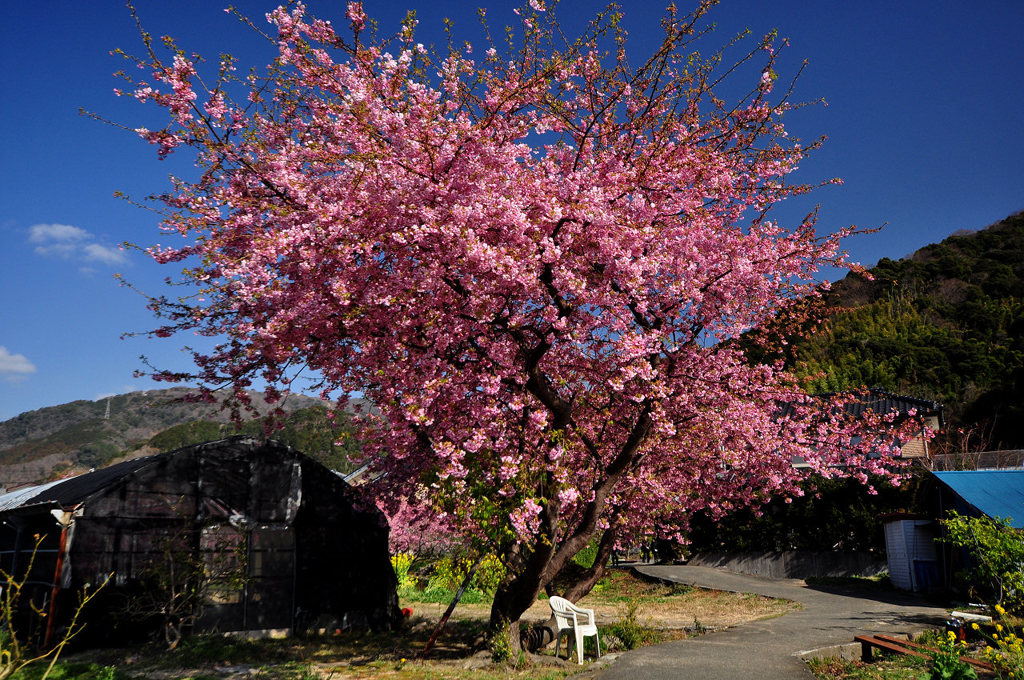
(313, 556)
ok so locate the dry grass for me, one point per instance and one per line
(663, 607)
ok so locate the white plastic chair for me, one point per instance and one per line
(573, 620)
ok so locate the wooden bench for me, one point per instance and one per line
(899, 646)
(885, 643)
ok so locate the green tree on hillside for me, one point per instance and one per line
(946, 323)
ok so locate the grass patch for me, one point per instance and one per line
(623, 586)
(892, 668)
(71, 671)
(441, 595)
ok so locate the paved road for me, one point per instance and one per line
(770, 649)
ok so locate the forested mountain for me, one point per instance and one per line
(49, 442)
(946, 323)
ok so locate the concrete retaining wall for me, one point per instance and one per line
(794, 564)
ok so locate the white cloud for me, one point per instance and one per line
(72, 243)
(60, 233)
(14, 366)
(94, 252)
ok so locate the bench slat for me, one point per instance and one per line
(977, 663)
(869, 641)
(900, 646)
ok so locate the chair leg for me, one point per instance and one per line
(597, 643)
(579, 645)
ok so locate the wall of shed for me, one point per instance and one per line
(910, 550)
(344, 577)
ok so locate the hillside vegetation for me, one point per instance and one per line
(50, 442)
(946, 323)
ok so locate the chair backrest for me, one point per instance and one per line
(562, 609)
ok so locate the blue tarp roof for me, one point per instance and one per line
(997, 493)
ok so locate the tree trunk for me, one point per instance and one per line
(549, 554)
(513, 597)
(527, 574)
(517, 594)
(586, 582)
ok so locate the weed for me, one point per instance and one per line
(679, 589)
(946, 661)
(501, 645)
(629, 630)
(401, 564)
(1003, 647)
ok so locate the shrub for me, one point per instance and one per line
(585, 557)
(946, 661)
(451, 570)
(401, 564)
(1004, 648)
(629, 630)
(16, 655)
(997, 552)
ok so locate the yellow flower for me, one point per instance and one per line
(1000, 610)
(975, 626)
(999, 627)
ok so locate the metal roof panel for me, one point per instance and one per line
(997, 493)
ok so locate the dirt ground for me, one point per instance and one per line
(712, 609)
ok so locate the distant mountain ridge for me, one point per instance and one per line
(39, 444)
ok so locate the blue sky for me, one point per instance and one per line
(924, 119)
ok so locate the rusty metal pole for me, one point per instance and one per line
(447, 614)
(66, 518)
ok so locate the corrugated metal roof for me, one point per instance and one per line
(880, 401)
(877, 400)
(68, 492)
(17, 498)
(997, 493)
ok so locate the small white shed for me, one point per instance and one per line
(910, 548)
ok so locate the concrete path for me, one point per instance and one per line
(769, 649)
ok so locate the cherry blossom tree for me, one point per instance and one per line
(537, 261)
